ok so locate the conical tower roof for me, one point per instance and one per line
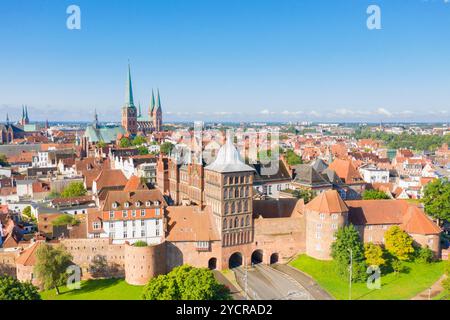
(152, 103)
(228, 160)
(129, 90)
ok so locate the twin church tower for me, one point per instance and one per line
(133, 121)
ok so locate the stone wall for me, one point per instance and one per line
(85, 251)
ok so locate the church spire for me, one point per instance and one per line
(129, 90)
(152, 103)
(95, 119)
(139, 110)
(158, 101)
(7, 119)
(26, 115)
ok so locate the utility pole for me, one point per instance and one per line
(350, 276)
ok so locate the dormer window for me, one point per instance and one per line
(137, 204)
(156, 203)
(114, 205)
(126, 204)
(148, 203)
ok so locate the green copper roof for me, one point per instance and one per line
(152, 103)
(158, 103)
(129, 90)
(139, 110)
(103, 133)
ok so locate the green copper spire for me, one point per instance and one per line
(129, 92)
(23, 112)
(158, 102)
(7, 119)
(152, 103)
(139, 111)
(26, 113)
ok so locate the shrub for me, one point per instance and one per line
(424, 255)
(140, 243)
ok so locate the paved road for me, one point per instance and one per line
(266, 283)
(306, 281)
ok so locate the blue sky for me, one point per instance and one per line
(228, 59)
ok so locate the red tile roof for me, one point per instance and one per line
(327, 202)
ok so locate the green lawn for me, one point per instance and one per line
(104, 289)
(401, 287)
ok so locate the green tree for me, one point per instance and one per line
(437, 199)
(398, 266)
(51, 265)
(27, 216)
(306, 195)
(374, 195)
(293, 158)
(65, 220)
(348, 242)
(13, 289)
(166, 148)
(398, 243)
(424, 255)
(124, 143)
(139, 140)
(3, 161)
(74, 189)
(373, 254)
(101, 144)
(140, 244)
(143, 150)
(186, 283)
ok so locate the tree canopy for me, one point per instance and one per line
(306, 195)
(143, 150)
(405, 140)
(13, 289)
(51, 265)
(65, 220)
(437, 199)
(139, 140)
(186, 283)
(348, 242)
(3, 161)
(166, 148)
(373, 254)
(124, 143)
(292, 158)
(374, 195)
(74, 189)
(398, 243)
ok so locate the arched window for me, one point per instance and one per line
(230, 193)
(239, 207)
(247, 220)
(246, 205)
(236, 222)
(225, 225)
(242, 222)
(236, 192)
(233, 208)
(225, 193)
(226, 208)
(231, 224)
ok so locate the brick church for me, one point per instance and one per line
(133, 121)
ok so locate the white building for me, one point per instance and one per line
(372, 174)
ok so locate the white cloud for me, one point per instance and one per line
(384, 112)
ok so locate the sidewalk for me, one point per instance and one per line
(436, 289)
